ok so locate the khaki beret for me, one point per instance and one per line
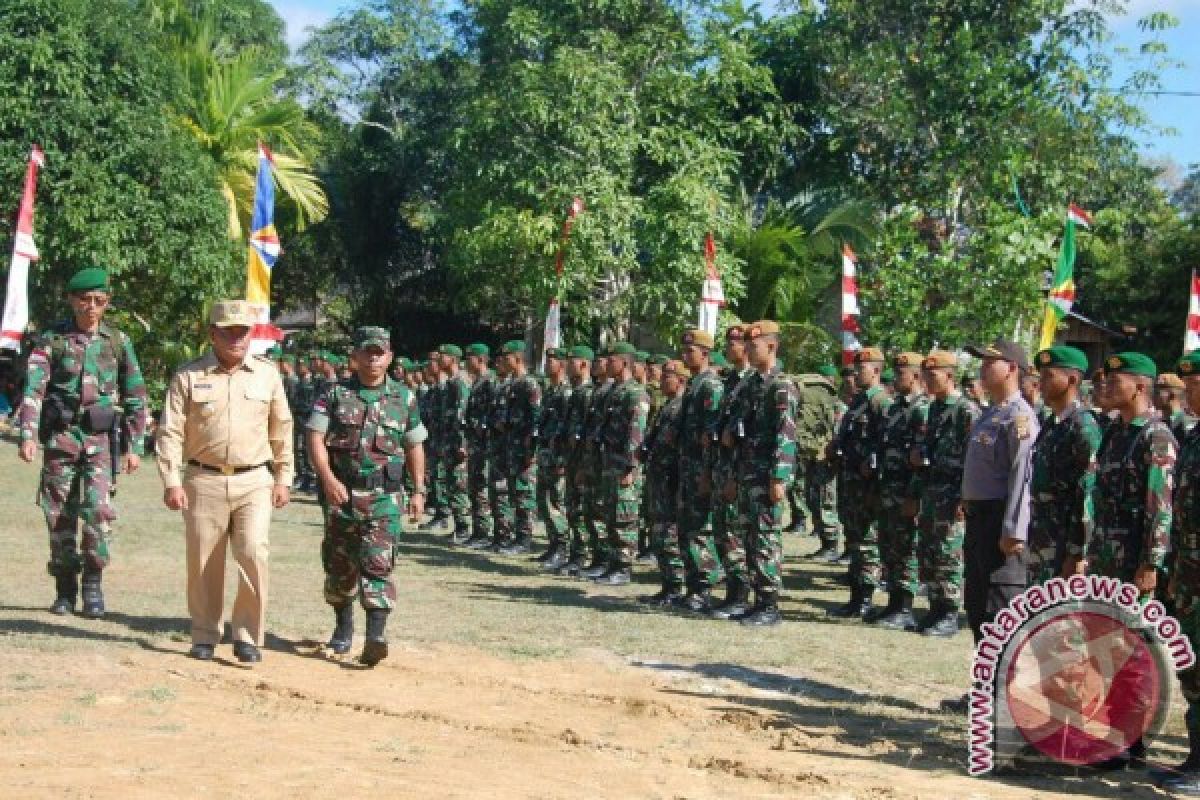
(939, 359)
(1168, 380)
(698, 338)
(764, 327)
(908, 360)
(868, 355)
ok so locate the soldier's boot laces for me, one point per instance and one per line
(735, 600)
(343, 629)
(375, 649)
(901, 617)
(93, 595)
(66, 589)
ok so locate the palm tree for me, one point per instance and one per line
(790, 250)
(232, 102)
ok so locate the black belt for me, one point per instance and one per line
(225, 470)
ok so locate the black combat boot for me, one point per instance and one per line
(859, 605)
(765, 612)
(461, 533)
(66, 588)
(556, 561)
(828, 554)
(93, 596)
(736, 596)
(343, 629)
(617, 576)
(375, 649)
(545, 555)
(699, 601)
(942, 623)
(518, 547)
(665, 598)
(595, 569)
(893, 604)
(901, 617)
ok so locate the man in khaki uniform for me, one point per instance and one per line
(225, 456)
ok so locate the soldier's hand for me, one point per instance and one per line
(416, 505)
(1073, 565)
(335, 492)
(132, 462)
(175, 499)
(627, 478)
(1145, 579)
(778, 491)
(729, 491)
(1011, 547)
(28, 451)
(280, 495)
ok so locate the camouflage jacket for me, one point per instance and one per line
(523, 418)
(1063, 480)
(941, 447)
(432, 415)
(575, 424)
(367, 431)
(553, 438)
(699, 417)
(903, 423)
(768, 451)
(1186, 505)
(1181, 423)
(660, 451)
(624, 426)
(452, 415)
(497, 416)
(84, 370)
(860, 433)
(1135, 469)
(478, 413)
(304, 394)
(597, 418)
(730, 426)
(816, 416)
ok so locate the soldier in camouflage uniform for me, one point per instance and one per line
(80, 376)
(1184, 588)
(765, 465)
(856, 448)
(622, 436)
(728, 534)
(479, 406)
(592, 465)
(452, 444)
(363, 435)
(521, 431)
(1135, 469)
(497, 461)
(1168, 401)
(820, 474)
(552, 459)
(904, 420)
(578, 481)
(432, 413)
(1063, 478)
(937, 460)
(303, 395)
(661, 457)
(697, 428)
(653, 385)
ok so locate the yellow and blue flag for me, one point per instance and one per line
(263, 251)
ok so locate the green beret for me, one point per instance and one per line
(478, 349)
(828, 370)
(556, 352)
(623, 349)
(514, 346)
(1062, 356)
(603, 351)
(372, 336)
(451, 350)
(1189, 364)
(403, 363)
(641, 356)
(582, 351)
(275, 351)
(888, 375)
(1131, 363)
(88, 280)
(718, 359)
(659, 359)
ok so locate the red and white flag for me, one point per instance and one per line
(850, 312)
(1191, 337)
(712, 294)
(552, 332)
(16, 299)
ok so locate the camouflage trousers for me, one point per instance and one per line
(76, 487)
(304, 470)
(821, 499)
(662, 487)
(729, 535)
(522, 494)
(594, 515)
(578, 497)
(455, 494)
(942, 524)
(551, 502)
(1114, 553)
(358, 551)
(499, 498)
(898, 543)
(1187, 611)
(433, 487)
(1046, 546)
(859, 501)
(763, 522)
(696, 527)
(621, 507)
(477, 492)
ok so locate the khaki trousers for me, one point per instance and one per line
(227, 513)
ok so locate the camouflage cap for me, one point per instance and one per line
(869, 355)
(478, 349)
(1189, 364)
(91, 279)
(939, 359)
(1168, 380)
(514, 346)
(582, 351)
(1131, 364)
(232, 313)
(372, 336)
(698, 338)
(1061, 356)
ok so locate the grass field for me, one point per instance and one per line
(503, 682)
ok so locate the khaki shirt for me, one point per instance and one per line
(221, 418)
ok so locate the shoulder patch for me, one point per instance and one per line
(1021, 422)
